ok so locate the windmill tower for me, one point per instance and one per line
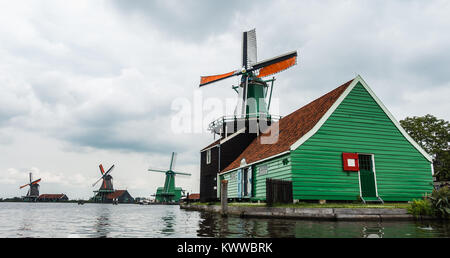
(251, 116)
(169, 193)
(253, 104)
(107, 185)
(33, 192)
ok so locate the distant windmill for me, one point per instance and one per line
(107, 185)
(169, 193)
(33, 192)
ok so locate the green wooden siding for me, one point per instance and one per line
(275, 169)
(359, 125)
(232, 183)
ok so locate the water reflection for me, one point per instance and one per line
(99, 220)
(168, 224)
(214, 225)
(102, 223)
(373, 231)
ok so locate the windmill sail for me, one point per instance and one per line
(204, 80)
(276, 64)
(249, 51)
(106, 177)
(252, 89)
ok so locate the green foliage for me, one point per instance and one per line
(442, 165)
(439, 202)
(433, 135)
(421, 208)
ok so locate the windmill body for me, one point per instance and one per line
(33, 191)
(169, 193)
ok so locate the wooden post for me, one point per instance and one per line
(224, 197)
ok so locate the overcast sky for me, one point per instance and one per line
(89, 82)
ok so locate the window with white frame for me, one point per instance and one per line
(208, 156)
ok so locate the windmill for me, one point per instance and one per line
(107, 185)
(169, 193)
(252, 90)
(33, 192)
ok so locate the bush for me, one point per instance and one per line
(421, 208)
(439, 202)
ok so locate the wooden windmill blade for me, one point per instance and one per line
(36, 181)
(20, 187)
(275, 65)
(102, 171)
(182, 173)
(31, 182)
(249, 55)
(171, 160)
(109, 170)
(156, 170)
(205, 80)
(249, 51)
(97, 181)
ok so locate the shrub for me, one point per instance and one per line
(439, 202)
(421, 208)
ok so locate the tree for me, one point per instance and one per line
(433, 136)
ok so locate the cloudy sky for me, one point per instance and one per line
(89, 82)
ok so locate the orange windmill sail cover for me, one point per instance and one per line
(277, 67)
(208, 79)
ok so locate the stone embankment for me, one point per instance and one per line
(336, 214)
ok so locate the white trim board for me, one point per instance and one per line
(258, 161)
(341, 98)
(209, 148)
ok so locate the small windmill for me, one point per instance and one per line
(107, 185)
(33, 192)
(169, 193)
(252, 90)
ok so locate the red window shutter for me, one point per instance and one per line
(350, 161)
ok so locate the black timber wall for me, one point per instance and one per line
(221, 156)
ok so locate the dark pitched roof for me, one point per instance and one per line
(115, 194)
(51, 196)
(291, 128)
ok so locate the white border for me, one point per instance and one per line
(209, 148)
(330, 111)
(258, 161)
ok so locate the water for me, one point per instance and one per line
(70, 220)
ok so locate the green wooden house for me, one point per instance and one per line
(344, 145)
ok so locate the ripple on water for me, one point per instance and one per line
(67, 220)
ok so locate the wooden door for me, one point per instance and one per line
(367, 176)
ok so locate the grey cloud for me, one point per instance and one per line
(193, 20)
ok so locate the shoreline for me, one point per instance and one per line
(330, 214)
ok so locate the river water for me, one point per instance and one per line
(70, 220)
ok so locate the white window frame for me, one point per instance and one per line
(208, 156)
